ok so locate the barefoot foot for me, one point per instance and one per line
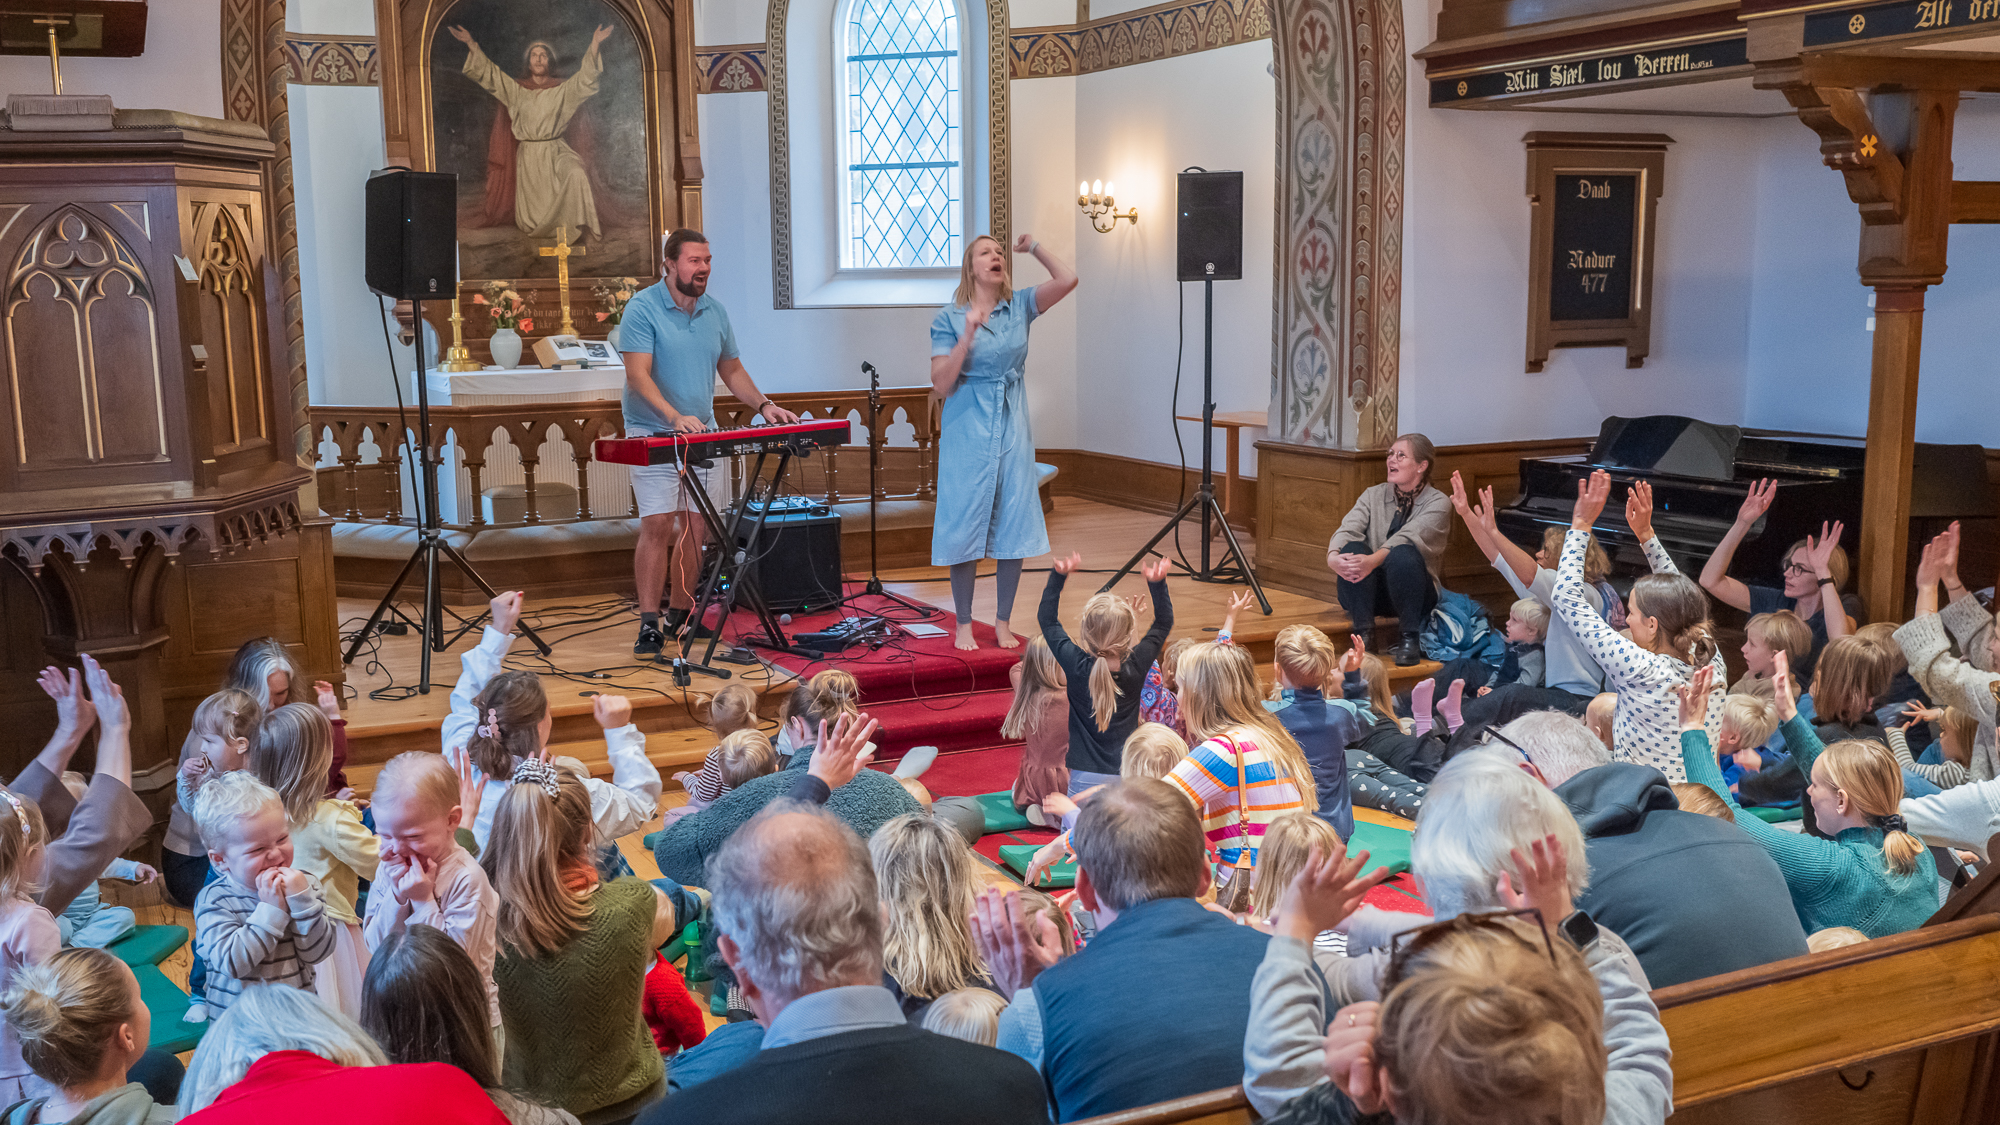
(964, 642)
(1004, 636)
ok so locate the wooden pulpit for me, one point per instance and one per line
(150, 476)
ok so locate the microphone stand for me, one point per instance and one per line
(874, 585)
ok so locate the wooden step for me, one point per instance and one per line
(682, 748)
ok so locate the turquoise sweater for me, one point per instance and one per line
(1839, 882)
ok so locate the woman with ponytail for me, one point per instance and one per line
(500, 719)
(1106, 670)
(1870, 872)
(1671, 634)
(574, 951)
(82, 1024)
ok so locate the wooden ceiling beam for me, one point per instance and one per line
(1910, 72)
(1975, 201)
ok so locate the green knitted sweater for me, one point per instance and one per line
(575, 1038)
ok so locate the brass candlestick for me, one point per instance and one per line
(458, 357)
(561, 252)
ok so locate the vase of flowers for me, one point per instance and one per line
(614, 295)
(509, 311)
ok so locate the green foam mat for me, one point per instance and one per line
(1001, 815)
(1017, 857)
(1772, 815)
(148, 945)
(165, 1000)
(1386, 847)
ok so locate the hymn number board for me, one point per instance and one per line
(1590, 276)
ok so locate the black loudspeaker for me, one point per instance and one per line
(1211, 226)
(796, 559)
(413, 234)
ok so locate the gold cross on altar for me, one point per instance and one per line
(561, 252)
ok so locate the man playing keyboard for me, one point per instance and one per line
(676, 340)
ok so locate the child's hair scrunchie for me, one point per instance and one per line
(534, 771)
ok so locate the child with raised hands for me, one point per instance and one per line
(1104, 667)
(330, 843)
(501, 718)
(262, 920)
(427, 879)
(1870, 872)
(28, 933)
(1956, 732)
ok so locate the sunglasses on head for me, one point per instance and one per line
(1409, 943)
(1492, 735)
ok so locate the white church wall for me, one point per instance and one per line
(1138, 126)
(181, 67)
(1809, 348)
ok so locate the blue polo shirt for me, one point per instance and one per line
(685, 350)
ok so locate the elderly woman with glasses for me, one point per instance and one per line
(1815, 570)
(1491, 838)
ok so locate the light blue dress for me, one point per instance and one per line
(987, 504)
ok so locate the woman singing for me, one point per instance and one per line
(987, 505)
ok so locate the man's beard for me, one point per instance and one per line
(691, 288)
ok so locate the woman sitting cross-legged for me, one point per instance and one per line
(1872, 874)
(1385, 554)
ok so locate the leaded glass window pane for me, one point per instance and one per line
(902, 138)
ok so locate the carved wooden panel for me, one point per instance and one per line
(80, 329)
(229, 288)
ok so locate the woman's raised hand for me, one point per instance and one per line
(1487, 512)
(1067, 566)
(108, 697)
(1459, 500)
(75, 713)
(1024, 244)
(1544, 882)
(1820, 550)
(1592, 493)
(1639, 510)
(1756, 502)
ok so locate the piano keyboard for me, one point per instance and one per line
(668, 449)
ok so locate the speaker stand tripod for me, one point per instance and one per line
(1233, 567)
(430, 543)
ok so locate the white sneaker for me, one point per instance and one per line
(197, 1012)
(916, 762)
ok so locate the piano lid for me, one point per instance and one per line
(1668, 443)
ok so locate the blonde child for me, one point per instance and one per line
(971, 1014)
(1039, 716)
(28, 933)
(1152, 751)
(261, 920)
(824, 698)
(86, 921)
(730, 710)
(1701, 799)
(329, 841)
(502, 719)
(1303, 661)
(1600, 715)
(218, 742)
(1748, 722)
(1104, 668)
(740, 758)
(1766, 635)
(1288, 845)
(427, 879)
(1833, 937)
(1527, 630)
(1956, 731)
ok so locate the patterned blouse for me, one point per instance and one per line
(1647, 726)
(1159, 705)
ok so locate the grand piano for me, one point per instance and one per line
(1700, 473)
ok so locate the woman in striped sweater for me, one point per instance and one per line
(1237, 742)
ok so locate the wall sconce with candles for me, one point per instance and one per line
(1095, 200)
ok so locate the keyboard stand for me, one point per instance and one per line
(729, 564)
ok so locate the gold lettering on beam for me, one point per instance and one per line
(1933, 13)
(1588, 260)
(1980, 10)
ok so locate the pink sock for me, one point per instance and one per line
(1420, 705)
(1454, 697)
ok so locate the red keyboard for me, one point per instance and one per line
(668, 449)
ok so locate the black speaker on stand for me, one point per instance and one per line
(1209, 249)
(412, 255)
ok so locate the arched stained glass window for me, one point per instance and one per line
(901, 138)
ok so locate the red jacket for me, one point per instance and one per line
(300, 1088)
(671, 1013)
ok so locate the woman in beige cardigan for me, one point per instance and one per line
(1386, 553)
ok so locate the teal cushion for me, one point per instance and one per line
(148, 945)
(1001, 815)
(1386, 847)
(1018, 856)
(165, 1000)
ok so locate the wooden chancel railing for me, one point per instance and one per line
(534, 446)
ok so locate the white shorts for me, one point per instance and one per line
(658, 489)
